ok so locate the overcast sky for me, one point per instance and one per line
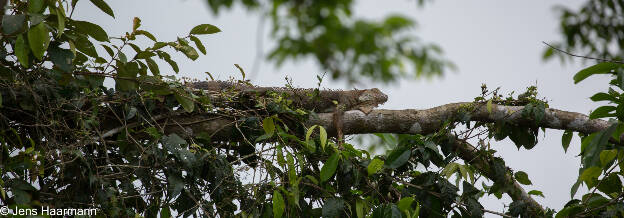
(498, 43)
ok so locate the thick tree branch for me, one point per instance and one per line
(411, 121)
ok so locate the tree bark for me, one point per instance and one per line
(411, 121)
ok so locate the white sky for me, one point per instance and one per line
(494, 42)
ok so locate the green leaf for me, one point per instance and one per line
(601, 68)
(278, 204)
(536, 193)
(60, 17)
(35, 19)
(268, 126)
(607, 156)
(405, 204)
(489, 106)
(135, 47)
(13, 24)
(359, 208)
(95, 80)
(463, 171)
(39, 39)
(333, 208)
(172, 63)
(538, 113)
(109, 50)
(431, 145)
(387, 138)
(103, 6)
(572, 208)
(523, 137)
(126, 76)
(85, 46)
(602, 112)
(416, 211)
(398, 157)
(566, 139)
(153, 67)
(375, 165)
(182, 42)
(548, 53)
(611, 184)
(586, 141)
(323, 137)
(122, 57)
(449, 170)
(189, 51)
(292, 173)
(62, 58)
(165, 212)
(590, 151)
(152, 131)
(158, 45)
(36, 6)
(280, 156)
(146, 34)
(144, 55)
(96, 32)
(21, 50)
(198, 44)
(601, 96)
(142, 68)
(204, 29)
(176, 184)
(21, 196)
(309, 133)
(312, 179)
(387, 210)
(186, 101)
(522, 178)
(595, 200)
(329, 168)
(574, 188)
(590, 174)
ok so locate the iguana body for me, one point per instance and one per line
(320, 101)
(323, 101)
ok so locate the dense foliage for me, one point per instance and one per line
(68, 141)
(602, 153)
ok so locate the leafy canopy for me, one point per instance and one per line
(133, 150)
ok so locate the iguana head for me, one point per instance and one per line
(370, 98)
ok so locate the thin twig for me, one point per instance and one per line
(581, 56)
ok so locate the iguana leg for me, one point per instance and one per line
(337, 120)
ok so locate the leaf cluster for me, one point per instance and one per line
(347, 47)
